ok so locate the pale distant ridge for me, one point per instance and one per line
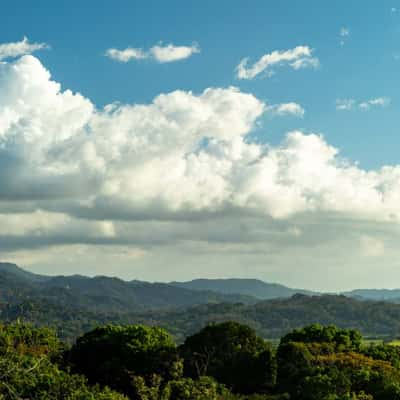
(249, 287)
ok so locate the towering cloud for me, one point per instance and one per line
(168, 172)
(182, 154)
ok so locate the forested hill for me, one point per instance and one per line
(274, 318)
(106, 294)
(271, 318)
(102, 294)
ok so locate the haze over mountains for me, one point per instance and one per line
(107, 294)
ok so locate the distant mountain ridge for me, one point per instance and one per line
(391, 295)
(103, 294)
(108, 294)
(249, 287)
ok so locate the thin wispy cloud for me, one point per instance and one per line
(377, 102)
(126, 55)
(352, 104)
(160, 53)
(296, 58)
(17, 49)
(344, 33)
(345, 104)
(283, 109)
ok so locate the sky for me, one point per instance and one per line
(175, 140)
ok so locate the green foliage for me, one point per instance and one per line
(114, 355)
(225, 361)
(320, 363)
(28, 369)
(205, 388)
(341, 339)
(24, 339)
(233, 354)
(385, 353)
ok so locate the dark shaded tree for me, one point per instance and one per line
(114, 355)
(233, 354)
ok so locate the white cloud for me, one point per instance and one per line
(180, 175)
(287, 109)
(170, 53)
(350, 104)
(182, 155)
(296, 58)
(16, 49)
(378, 101)
(345, 104)
(126, 55)
(160, 53)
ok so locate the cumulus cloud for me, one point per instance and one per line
(351, 104)
(16, 49)
(296, 58)
(160, 53)
(181, 155)
(179, 173)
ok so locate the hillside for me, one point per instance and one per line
(102, 294)
(274, 318)
(13, 269)
(271, 318)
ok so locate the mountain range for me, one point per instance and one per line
(109, 294)
(75, 304)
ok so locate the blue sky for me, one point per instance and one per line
(271, 218)
(363, 68)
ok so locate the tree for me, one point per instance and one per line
(28, 368)
(342, 339)
(114, 355)
(231, 353)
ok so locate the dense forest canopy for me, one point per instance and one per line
(271, 319)
(225, 361)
